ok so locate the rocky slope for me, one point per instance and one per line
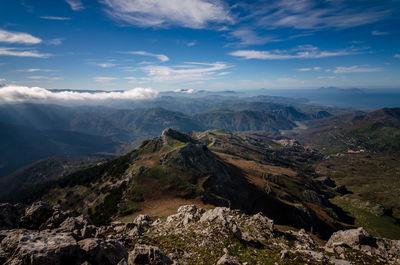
(249, 172)
(41, 234)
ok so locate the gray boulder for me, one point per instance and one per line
(185, 215)
(56, 219)
(143, 254)
(81, 227)
(359, 239)
(36, 214)
(100, 251)
(352, 238)
(36, 248)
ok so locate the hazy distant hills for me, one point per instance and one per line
(33, 131)
(377, 131)
(45, 169)
(22, 145)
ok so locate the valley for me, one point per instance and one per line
(307, 170)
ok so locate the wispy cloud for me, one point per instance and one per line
(379, 33)
(249, 37)
(290, 80)
(56, 41)
(161, 57)
(22, 53)
(106, 65)
(104, 79)
(18, 37)
(55, 18)
(23, 93)
(308, 69)
(397, 55)
(32, 70)
(75, 5)
(191, 71)
(191, 43)
(329, 77)
(185, 91)
(312, 14)
(301, 52)
(355, 69)
(137, 80)
(42, 77)
(162, 13)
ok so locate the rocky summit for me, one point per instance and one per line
(42, 234)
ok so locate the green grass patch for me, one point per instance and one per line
(366, 216)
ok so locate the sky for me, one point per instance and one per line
(158, 45)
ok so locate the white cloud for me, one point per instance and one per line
(137, 80)
(22, 93)
(191, 43)
(18, 37)
(42, 77)
(185, 91)
(379, 33)
(312, 14)
(331, 77)
(104, 79)
(106, 65)
(31, 70)
(249, 37)
(397, 55)
(75, 5)
(307, 69)
(22, 53)
(223, 73)
(355, 69)
(56, 41)
(163, 13)
(301, 52)
(161, 57)
(55, 18)
(191, 71)
(290, 80)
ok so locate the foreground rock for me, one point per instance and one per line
(99, 251)
(191, 236)
(33, 247)
(359, 239)
(143, 254)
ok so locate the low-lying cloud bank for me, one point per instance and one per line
(13, 93)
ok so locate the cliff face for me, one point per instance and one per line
(41, 234)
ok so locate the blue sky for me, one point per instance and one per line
(199, 44)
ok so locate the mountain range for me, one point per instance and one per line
(48, 130)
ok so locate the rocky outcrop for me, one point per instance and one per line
(100, 251)
(81, 227)
(186, 214)
(55, 219)
(33, 247)
(359, 239)
(36, 214)
(191, 236)
(143, 254)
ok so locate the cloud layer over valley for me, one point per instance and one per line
(13, 93)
